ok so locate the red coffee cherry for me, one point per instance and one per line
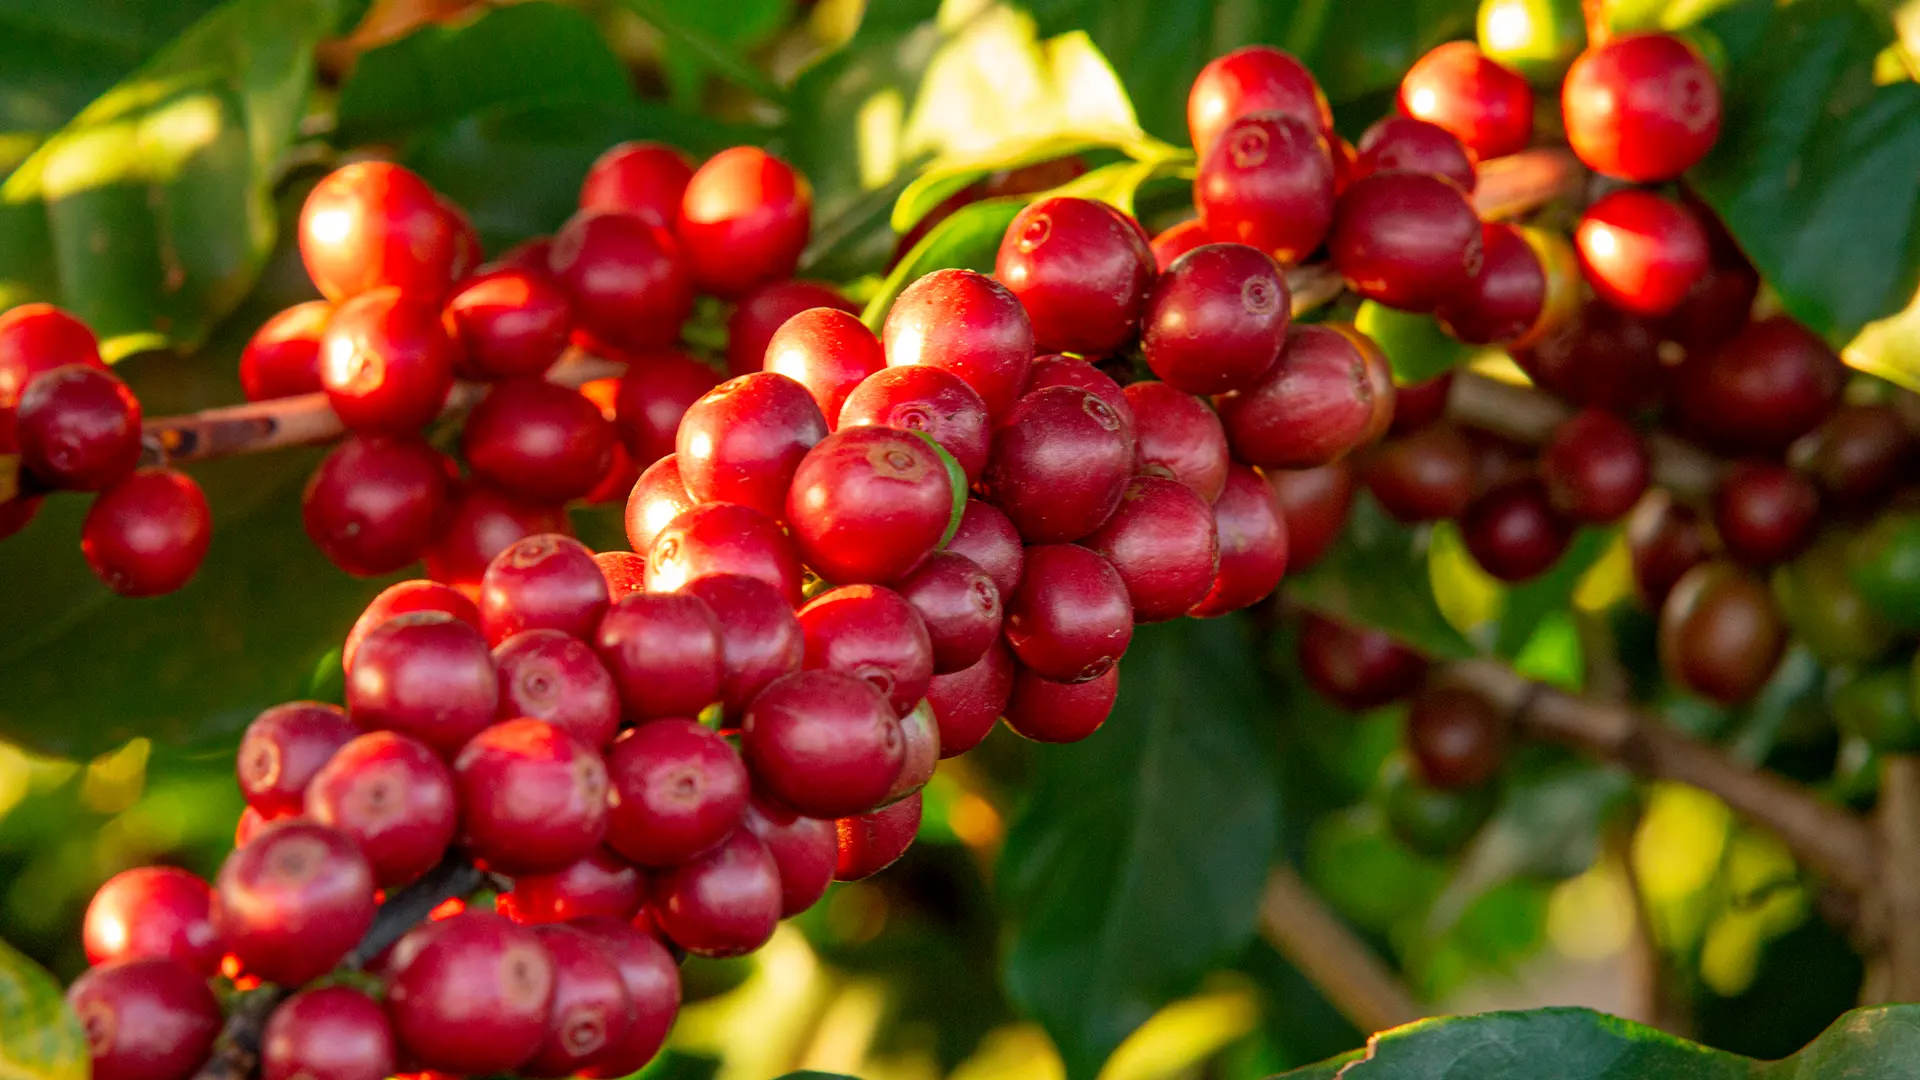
(1176, 240)
(872, 634)
(1080, 272)
(1861, 454)
(1216, 319)
(151, 1019)
(1267, 183)
(678, 789)
(965, 323)
(427, 675)
(373, 504)
(645, 179)
(1056, 712)
(539, 441)
(589, 1011)
(148, 534)
(602, 884)
(1403, 144)
(1720, 634)
(920, 730)
(869, 843)
(825, 743)
(1060, 461)
(332, 1033)
(629, 280)
(393, 798)
(988, 537)
(1765, 512)
(652, 982)
(655, 394)
(657, 498)
(78, 428)
(509, 322)
(760, 639)
(1407, 240)
(868, 504)
(481, 522)
(1423, 476)
(742, 441)
(153, 911)
(470, 994)
(1641, 253)
(532, 797)
(1315, 405)
(1721, 301)
(1162, 543)
(1506, 297)
(35, 339)
(934, 402)
(386, 361)
(1257, 78)
(1513, 531)
(293, 901)
(1070, 619)
(829, 352)
(544, 582)
(1642, 107)
(1604, 358)
(1314, 503)
(967, 702)
(1486, 105)
(1772, 383)
(725, 902)
(373, 225)
(1457, 738)
(548, 675)
(1058, 370)
(626, 572)
(664, 652)
(744, 219)
(959, 605)
(1253, 543)
(1179, 437)
(1666, 539)
(1356, 667)
(1594, 467)
(252, 822)
(403, 599)
(765, 310)
(723, 538)
(803, 849)
(282, 750)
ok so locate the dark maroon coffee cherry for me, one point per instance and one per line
(589, 1011)
(531, 438)
(1070, 619)
(627, 278)
(825, 743)
(1179, 437)
(1252, 533)
(153, 911)
(1216, 320)
(930, 400)
(677, 789)
(1423, 476)
(293, 901)
(480, 523)
(1417, 405)
(1268, 183)
(148, 534)
(470, 994)
(723, 538)
(869, 843)
(1314, 503)
(664, 652)
(386, 361)
(868, 503)
(426, 675)
(1594, 467)
(374, 503)
(1079, 271)
(1665, 539)
(1256, 78)
(1407, 240)
(960, 606)
(1765, 512)
(393, 797)
(920, 731)
(1772, 383)
(282, 750)
(1314, 405)
(803, 849)
(532, 798)
(544, 582)
(873, 634)
(602, 884)
(829, 352)
(1357, 667)
(78, 428)
(965, 323)
(1514, 532)
(725, 902)
(1056, 712)
(760, 639)
(1162, 542)
(332, 1033)
(404, 599)
(657, 498)
(742, 441)
(1720, 634)
(1506, 297)
(1060, 461)
(763, 311)
(548, 675)
(988, 537)
(1457, 738)
(659, 387)
(652, 981)
(966, 703)
(1404, 144)
(150, 1019)
(1861, 454)
(509, 322)
(1058, 370)
(1604, 358)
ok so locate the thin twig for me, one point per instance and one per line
(1357, 982)
(1899, 819)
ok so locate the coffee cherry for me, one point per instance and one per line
(151, 1019)
(1357, 667)
(1604, 358)
(1513, 531)
(1057, 712)
(959, 605)
(291, 903)
(1769, 385)
(539, 441)
(1642, 107)
(589, 1011)
(1059, 370)
(1177, 240)
(386, 361)
(544, 582)
(532, 798)
(868, 503)
(825, 743)
(427, 675)
(153, 911)
(1665, 539)
(78, 428)
(1060, 461)
(765, 310)
(1861, 454)
(664, 652)
(602, 884)
(148, 534)
(1267, 183)
(1407, 240)
(1826, 611)
(967, 702)
(36, 339)
(1764, 512)
(872, 634)
(742, 441)
(1424, 476)
(1720, 635)
(1434, 821)
(657, 498)
(1403, 144)
(1457, 738)
(251, 824)
(1216, 320)
(645, 179)
(1070, 619)
(932, 401)
(1257, 78)
(1594, 467)
(1883, 565)
(1877, 706)
(1485, 104)
(624, 571)
(744, 219)
(1506, 297)
(392, 797)
(1314, 503)
(760, 640)
(282, 750)
(655, 394)
(1080, 272)
(829, 352)
(1162, 543)
(988, 537)
(1640, 252)
(965, 323)
(725, 902)
(1314, 405)
(18, 512)
(723, 538)
(332, 1033)
(677, 789)
(509, 322)
(920, 731)
(403, 599)
(373, 504)
(481, 523)
(629, 280)
(869, 843)
(1253, 544)
(652, 982)
(803, 850)
(1720, 302)
(372, 225)
(470, 994)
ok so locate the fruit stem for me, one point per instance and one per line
(1512, 185)
(1898, 816)
(1299, 925)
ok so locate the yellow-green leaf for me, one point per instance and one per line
(40, 1039)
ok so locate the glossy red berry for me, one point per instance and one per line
(1485, 104)
(1253, 542)
(1314, 503)
(548, 675)
(1423, 476)
(760, 639)
(1457, 738)
(1404, 144)
(1861, 454)
(765, 310)
(874, 635)
(544, 582)
(78, 428)
(151, 1019)
(868, 503)
(1595, 467)
(602, 884)
(470, 994)
(1257, 78)
(148, 534)
(657, 498)
(481, 522)
(1314, 405)
(921, 732)
(1407, 240)
(153, 911)
(629, 280)
(391, 796)
(988, 537)
(959, 605)
(386, 361)
(725, 902)
(293, 901)
(646, 179)
(1720, 634)
(1514, 532)
(1060, 460)
(677, 789)
(869, 843)
(1177, 436)
(331, 1033)
(744, 218)
(655, 393)
(282, 750)
(1162, 542)
(427, 675)
(965, 323)
(829, 352)
(1056, 712)
(372, 225)
(35, 339)
(1640, 252)
(932, 401)
(1059, 370)
(1176, 240)
(723, 538)
(825, 743)
(1356, 667)
(1765, 512)
(589, 1011)
(1505, 297)
(742, 441)
(1773, 382)
(532, 797)
(1070, 619)
(1080, 272)
(967, 702)
(1604, 358)
(664, 652)
(538, 441)
(1666, 539)
(803, 849)
(1642, 107)
(626, 572)
(1268, 183)
(373, 504)
(652, 981)
(1216, 319)
(509, 322)
(402, 599)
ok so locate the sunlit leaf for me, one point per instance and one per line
(1376, 575)
(40, 1039)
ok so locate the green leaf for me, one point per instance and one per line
(1580, 1044)
(149, 214)
(969, 239)
(946, 178)
(699, 36)
(1376, 575)
(1138, 860)
(1417, 349)
(40, 1039)
(1526, 604)
(516, 56)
